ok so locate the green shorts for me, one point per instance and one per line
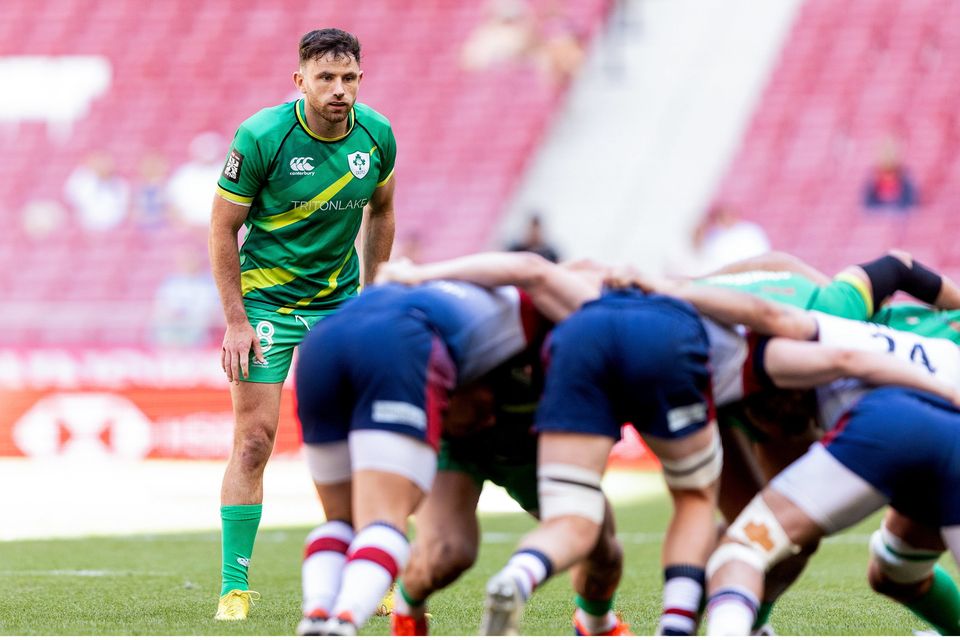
(279, 334)
(844, 297)
(518, 479)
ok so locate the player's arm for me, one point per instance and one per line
(774, 261)
(379, 229)
(556, 291)
(727, 306)
(899, 271)
(792, 364)
(239, 338)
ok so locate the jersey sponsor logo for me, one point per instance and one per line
(393, 412)
(330, 205)
(231, 171)
(301, 166)
(359, 163)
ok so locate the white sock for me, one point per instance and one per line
(731, 612)
(324, 557)
(528, 568)
(376, 556)
(682, 594)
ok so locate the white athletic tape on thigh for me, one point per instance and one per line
(697, 470)
(734, 551)
(899, 561)
(328, 463)
(569, 490)
(758, 528)
(392, 452)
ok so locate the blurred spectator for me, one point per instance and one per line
(100, 198)
(890, 185)
(193, 184)
(720, 238)
(507, 34)
(186, 308)
(533, 240)
(561, 52)
(151, 207)
(41, 218)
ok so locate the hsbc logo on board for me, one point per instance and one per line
(301, 166)
(84, 424)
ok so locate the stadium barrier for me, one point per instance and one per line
(137, 404)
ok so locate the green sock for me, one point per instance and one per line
(239, 530)
(411, 602)
(594, 607)
(940, 606)
(763, 614)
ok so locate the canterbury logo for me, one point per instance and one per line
(243, 562)
(301, 164)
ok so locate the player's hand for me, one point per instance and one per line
(401, 270)
(626, 276)
(238, 341)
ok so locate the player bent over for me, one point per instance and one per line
(448, 534)
(626, 357)
(372, 386)
(896, 446)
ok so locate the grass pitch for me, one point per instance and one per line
(167, 585)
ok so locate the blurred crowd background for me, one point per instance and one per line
(678, 135)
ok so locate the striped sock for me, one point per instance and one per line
(324, 557)
(375, 558)
(529, 568)
(682, 598)
(731, 612)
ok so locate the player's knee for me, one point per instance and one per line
(253, 450)
(897, 569)
(755, 538)
(448, 560)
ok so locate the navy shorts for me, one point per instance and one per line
(373, 371)
(628, 357)
(906, 444)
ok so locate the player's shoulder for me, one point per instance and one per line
(271, 121)
(371, 119)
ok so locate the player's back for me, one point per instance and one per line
(922, 320)
(481, 328)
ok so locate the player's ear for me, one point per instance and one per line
(360, 76)
(298, 80)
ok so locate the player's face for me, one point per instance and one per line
(330, 85)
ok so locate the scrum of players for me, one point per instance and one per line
(793, 403)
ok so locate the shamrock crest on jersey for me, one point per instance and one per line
(359, 163)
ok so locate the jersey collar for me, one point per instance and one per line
(302, 119)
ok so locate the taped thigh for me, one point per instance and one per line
(901, 562)
(328, 463)
(760, 539)
(697, 470)
(569, 490)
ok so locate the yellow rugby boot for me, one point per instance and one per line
(235, 604)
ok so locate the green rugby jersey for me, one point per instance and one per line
(844, 296)
(921, 320)
(306, 196)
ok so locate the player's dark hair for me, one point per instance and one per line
(321, 42)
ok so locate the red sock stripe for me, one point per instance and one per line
(379, 556)
(681, 612)
(326, 544)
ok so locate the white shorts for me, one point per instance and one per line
(833, 496)
(373, 450)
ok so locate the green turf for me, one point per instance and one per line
(167, 585)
